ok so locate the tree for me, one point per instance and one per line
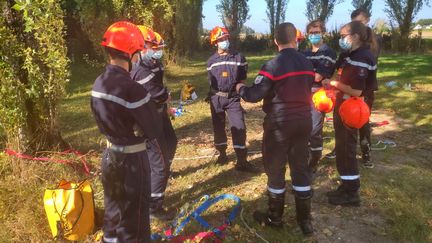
(320, 9)
(424, 22)
(233, 14)
(33, 73)
(403, 13)
(247, 30)
(276, 10)
(187, 21)
(363, 4)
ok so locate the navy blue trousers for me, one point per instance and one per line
(126, 183)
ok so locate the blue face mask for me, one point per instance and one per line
(314, 38)
(158, 54)
(345, 44)
(147, 55)
(223, 45)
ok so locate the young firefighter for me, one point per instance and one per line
(323, 59)
(148, 72)
(357, 70)
(285, 84)
(120, 107)
(369, 95)
(225, 69)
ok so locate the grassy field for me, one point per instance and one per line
(396, 193)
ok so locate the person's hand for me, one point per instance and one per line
(238, 86)
(318, 77)
(326, 83)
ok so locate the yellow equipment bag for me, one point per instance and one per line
(188, 92)
(70, 210)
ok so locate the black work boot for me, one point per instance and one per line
(303, 215)
(242, 163)
(345, 198)
(273, 216)
(331, 155)
(222, 158)
(162, 214)
(340, 190)
(365, 148)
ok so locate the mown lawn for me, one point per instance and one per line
(396, 191)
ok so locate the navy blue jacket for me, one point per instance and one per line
(150, 76)
(358, 70)
(285, 84)
(119, 104)
(323, 62)
(225, 71)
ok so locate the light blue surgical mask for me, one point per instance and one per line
(158, 54)
(345, 44)
(147, 55)
(314, 38)
(223, 45)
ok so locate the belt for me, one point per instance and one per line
(127, 149)
(222, 94)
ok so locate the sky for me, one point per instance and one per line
(295, 14)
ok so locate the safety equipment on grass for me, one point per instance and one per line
(218, 33)
(125, 37)
(322, 102)
(314, 38)
(344, 44)
(70, 210)
(223, 45)
(188, 92)
(354, 112)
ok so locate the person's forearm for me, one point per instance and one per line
(346, 88)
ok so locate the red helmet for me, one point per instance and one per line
(217, 33)
(159, 42)
(123, 36)
(148, 34)
(354, 112)
(322, 101)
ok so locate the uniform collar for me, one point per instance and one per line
(288, 50)
(115, 68)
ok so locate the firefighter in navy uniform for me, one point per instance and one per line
(148, 72)
(323, 59)
(121, 107)
(358, 68)
(369, 95)
(225, 69)
(285, 84)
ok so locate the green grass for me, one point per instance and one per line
(398, 190)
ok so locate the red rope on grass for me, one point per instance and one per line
(13, 153)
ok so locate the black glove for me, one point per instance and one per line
(113, 174)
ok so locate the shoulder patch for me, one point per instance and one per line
(258, 79)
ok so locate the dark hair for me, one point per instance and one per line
(116, 54)
(314, 24)
(285, 33)
(360, 11)
(366, 34)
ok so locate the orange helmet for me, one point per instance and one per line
(148, 34)
(354, 112)
(217, 33)
(299, 36)
(159, 42)
(123, 36)
(322, 101)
